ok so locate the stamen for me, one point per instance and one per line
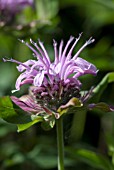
(70, 52)
(35, 52)
(13, 91)
(90, 41)
(66, 47)
(79, 51)
(60, 49)
(5, 60)
(15, 61)
(45, 52)
(56, 51)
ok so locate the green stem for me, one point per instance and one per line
(60, 143)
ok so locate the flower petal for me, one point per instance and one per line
(85, 67)
(38, 79)
(27, 104)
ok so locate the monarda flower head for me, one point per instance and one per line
(52, 84)
(14, 5)
(9, 8)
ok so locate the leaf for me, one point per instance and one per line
(12, 115)
(42, 156)
(91, 158)
(78, 124)
(49, 123)
(99, 89)
(22, 127)
(110, 144)
(102, 106)
(71, 107)
(48, 11)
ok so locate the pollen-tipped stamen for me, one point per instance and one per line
(80, 50)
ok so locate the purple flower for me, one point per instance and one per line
(53, 83)
(14, 6)
(28, 104)
(9, 8)
(64, 70)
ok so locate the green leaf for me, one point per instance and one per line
(47, 11)
(110, 142)
(42, 156)
(70, 107)
(99, 89)
(49, 123)
(22, 127)
(12, 115)
(78, 124)
(102, 106)
(91, 158)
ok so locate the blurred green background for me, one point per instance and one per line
(35, 149)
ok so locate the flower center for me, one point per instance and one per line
(54, 96)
